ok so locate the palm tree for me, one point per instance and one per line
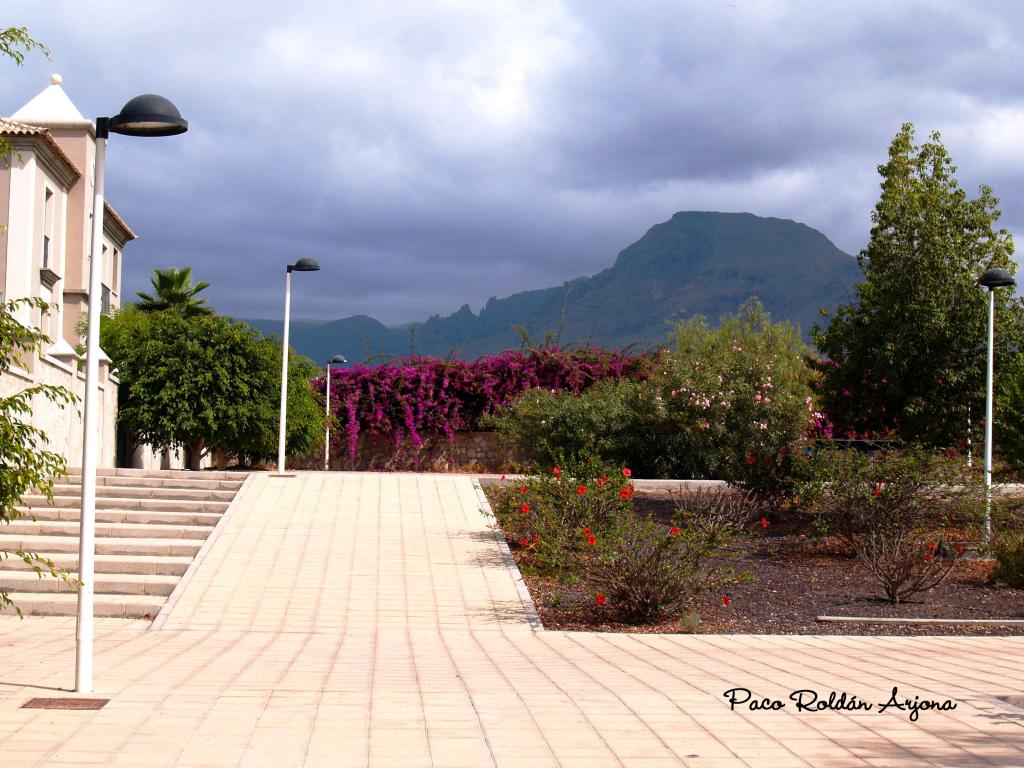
(173, 289)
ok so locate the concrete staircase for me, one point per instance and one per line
(149, 526)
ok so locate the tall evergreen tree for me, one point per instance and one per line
(173, 289)
(906, 357)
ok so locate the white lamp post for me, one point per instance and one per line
(992, 279)
(302, 265)
(147, 115)
(339, 360)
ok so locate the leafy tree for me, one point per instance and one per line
(25, 460)
(173, 289)
(206, 382)
(906, 356)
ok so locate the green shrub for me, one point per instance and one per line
(645, 572)
(1008, 550)
(546, 512)
(891, 509)
(729, 403)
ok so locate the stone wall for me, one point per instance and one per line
(468, 451)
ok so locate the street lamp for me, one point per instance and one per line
(996, 277)
(304, 264)
(336, 360)
(146, 115)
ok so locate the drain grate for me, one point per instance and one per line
(65, 704)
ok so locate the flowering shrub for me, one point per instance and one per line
(890, 510)
(556, 512)
(649, 572)
(409, 400)
(730, 403)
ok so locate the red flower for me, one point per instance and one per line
(601, 599)
(751, 458)
(556, 471)
(503, 478)
(524, 508)
(674, 531)
(959, 549)
(876, 491)
(928, 557)
(523, 489)
(601, 481)
(627, 492)
(764, 522)
(726, 600)
(524, 543)
(591, 539)
(581, 489)
(626, 472)
(587, 531)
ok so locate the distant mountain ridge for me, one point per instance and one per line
(696, 263)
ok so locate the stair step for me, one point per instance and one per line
(27, 527)
(156, 482)
(134, 516)
(157, 505)
(106, 584)
(173, 474)
(146, 492)
(104, 606)
(146, 565)
(104, 546)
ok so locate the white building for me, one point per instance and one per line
(46, 199)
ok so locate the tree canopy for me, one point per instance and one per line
(205, 382)
(173, 289)
(906, 356)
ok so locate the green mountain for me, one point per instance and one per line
(696, 263)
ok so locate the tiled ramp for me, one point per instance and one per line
(372, 620)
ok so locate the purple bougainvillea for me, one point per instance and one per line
(427, 396)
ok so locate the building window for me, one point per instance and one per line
(47, 226)
(105, 301)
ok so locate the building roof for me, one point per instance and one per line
(9, 127)
(110, 215)
(51, 108)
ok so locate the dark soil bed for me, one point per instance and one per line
(787, 581)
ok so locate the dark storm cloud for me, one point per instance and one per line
(437, 158)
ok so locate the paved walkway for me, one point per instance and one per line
(367, 619)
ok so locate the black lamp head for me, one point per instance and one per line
(996, 277)
(305, 264)
(148, 115)
(337, 360)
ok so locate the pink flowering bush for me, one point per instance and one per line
(407, 401)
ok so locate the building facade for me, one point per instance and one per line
(46, 201)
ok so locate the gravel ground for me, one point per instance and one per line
(788, 581)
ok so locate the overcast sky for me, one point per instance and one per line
(432, 154)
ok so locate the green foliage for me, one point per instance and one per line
(903, 355)
(173, 289)
(727, 403)
(15, 42)
(204, 382)
(1008, 410)
(647, 572)
(1008, 551)
(25, 460)
(547, 514)
(891, 509)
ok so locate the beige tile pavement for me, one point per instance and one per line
(350, 619)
